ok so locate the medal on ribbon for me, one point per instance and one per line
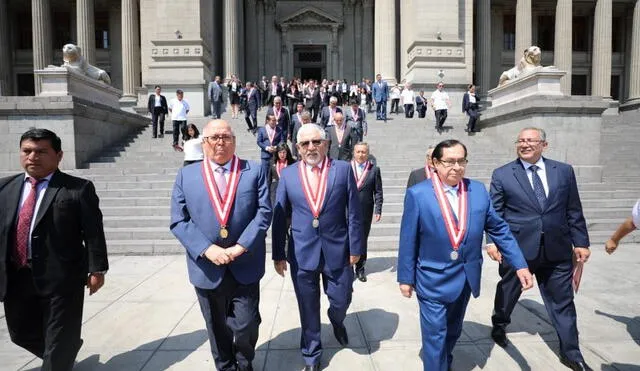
(315, 197)
(222, 203)
(360, 180)
(271, 136)
(455, 231)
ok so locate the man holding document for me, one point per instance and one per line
(539, 200)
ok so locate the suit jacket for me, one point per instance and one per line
(360, 123)
(325, 115)
(340, 231)
(313, 100)
(214, 92)
(370, 194)
(67, 241)
(416, 176)
(324, 99)
(270, 89)
(342, 150)
(151, 104)
(423, 256)
(263, 141)
(467, 107)
(380, 91)
(284, 121)
(253, 101)
(561, 224)
(195, 225)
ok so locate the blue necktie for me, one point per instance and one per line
(538, 188)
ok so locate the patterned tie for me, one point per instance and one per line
(24, 225)
(221, 182)
(538, 188)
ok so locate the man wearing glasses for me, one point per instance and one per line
(320, 196)
(442, 260)
(539, 199)
(220, 213)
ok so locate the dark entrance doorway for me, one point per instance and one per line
(310, 61)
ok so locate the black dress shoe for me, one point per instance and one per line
(498, 335)
(315, 367)
(340, 332)
(361, 276)
(575, 365)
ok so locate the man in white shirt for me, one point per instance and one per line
(628, 226)
(408, 98)
(179, 108)
(440, 102)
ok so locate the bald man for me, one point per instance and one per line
(220, 213)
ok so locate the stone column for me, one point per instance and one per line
(483, 49)
(335, 53)
(41, 34)
(115, 45)
(601, 60)
(270, 40)
(85, 18)
(523, 28)
(251, 37)
(562, 55)
(130, 50)
(261, 46)
(230, 20)
(634, 75)
(6, 74)
(348, 42)
(284, 49)
(385, 39)
(367, 40)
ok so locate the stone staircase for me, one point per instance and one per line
(134, 179)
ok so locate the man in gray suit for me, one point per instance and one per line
(342, 138)
(215, 97)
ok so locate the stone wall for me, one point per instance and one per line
(85, 128)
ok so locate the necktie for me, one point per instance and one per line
(315, 179)
(24, 224)
(221, 182)
(453, 201)
(538, 188)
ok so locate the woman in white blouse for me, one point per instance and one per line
(408, 98)
(192, 146)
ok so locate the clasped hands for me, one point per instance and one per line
(221, 256)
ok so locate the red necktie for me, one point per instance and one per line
(24, 225)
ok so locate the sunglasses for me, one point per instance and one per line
(305, 144)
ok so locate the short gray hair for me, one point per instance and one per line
(305, 115)
(333, 99)
(541, 132)
(362, 144)
(277, 99)
(310, 128)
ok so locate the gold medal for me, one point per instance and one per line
(315, 223)
(224, 233)
(454, 255)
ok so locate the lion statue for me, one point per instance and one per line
(529, 61)
(73, 60)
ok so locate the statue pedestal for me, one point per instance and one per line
(60, 81)
(539, 81)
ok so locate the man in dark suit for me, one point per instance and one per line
(357, 119)
(342, 138)
(440, 253)
(320, 197)
(52, 245)
(282, 116)
(470, 107)
(268, 139)
(369, 183)
(214, 92)
(539, 199)
(328, 113)
(251, 110)
(157, 107)
(224, 238)
(380, 96)
(422, 173)
(313, 100)
(305, 118)
(275, 90)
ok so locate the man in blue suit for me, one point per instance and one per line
(269, 137)
(220, 213)
(251, 110)
(440, 253)
(380, 95)
(320, 196)
(539, 199)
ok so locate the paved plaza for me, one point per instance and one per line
(146, 318)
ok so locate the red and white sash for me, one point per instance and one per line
(315, 197)
(360, 180)
(271, 136)
(355, 115)
(456, 232)
(222, 203)
(279, 166)
(428, 172)
(277, 115)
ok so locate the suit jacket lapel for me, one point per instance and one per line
(521, 176)
(52, 189)
(552, 181)
(331, 178)
(13, 193)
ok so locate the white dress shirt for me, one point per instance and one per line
(193, 149)
(440, 99)
(179, 109)
(408, 96)
(158, 102)
(40, 190)
(542, 173)
(635, 214)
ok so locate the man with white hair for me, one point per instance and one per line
(283, 117)
(326, 117)
(320, 197)
(220, 213)
(342, 137)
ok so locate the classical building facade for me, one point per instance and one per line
(183, 43)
